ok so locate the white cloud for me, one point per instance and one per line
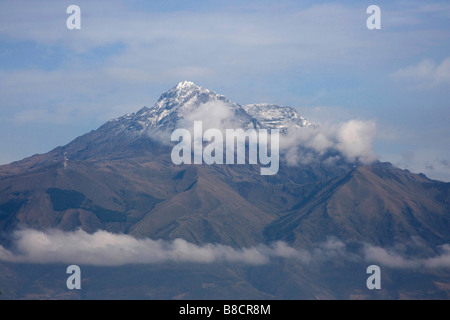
(213, 114)
(353, 139)
(426, 74)
(103, 248)
(440, 261)
(391, 258)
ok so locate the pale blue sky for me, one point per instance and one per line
(317, 56)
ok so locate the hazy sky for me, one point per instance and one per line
(317, 56)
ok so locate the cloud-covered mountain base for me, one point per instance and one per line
(103, 248)
(121, 266)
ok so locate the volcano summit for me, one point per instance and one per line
(331, 199)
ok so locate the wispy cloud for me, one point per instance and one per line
(157, 48)
(426, 74)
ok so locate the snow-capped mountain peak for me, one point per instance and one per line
(186, 93)
(187, 85)
(187, 100)
(273, 116)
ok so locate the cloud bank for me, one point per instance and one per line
(103, 248)
(395, 260)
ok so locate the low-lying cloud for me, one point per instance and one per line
(393, 259)
(103, 248)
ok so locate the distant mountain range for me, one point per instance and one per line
(120, 178)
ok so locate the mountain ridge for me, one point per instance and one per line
(120, 178)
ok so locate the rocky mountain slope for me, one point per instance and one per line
(120, 178)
